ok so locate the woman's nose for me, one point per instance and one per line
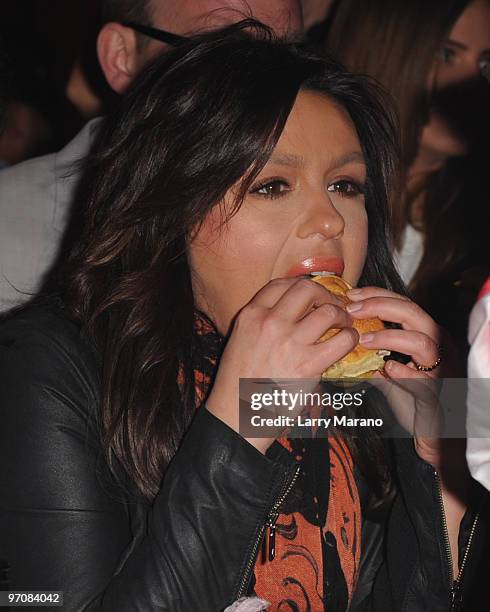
(321, 218)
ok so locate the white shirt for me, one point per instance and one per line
(478, 401)
(408, 258)
(35, 200)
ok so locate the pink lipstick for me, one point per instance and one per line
(317, 264)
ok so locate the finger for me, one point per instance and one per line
(273, 291)
(323, 318)
(401, 402)
(406, 376)
(362, 293)
(324, 354)
(405, 312)
(270, 293)
(419, 346)
(301, 298)
(418, 384)
(427, 416)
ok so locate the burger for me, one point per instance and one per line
(361, 362)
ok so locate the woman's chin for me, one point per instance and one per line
(439, 142)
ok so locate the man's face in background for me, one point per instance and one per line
(191, 16)
(123, 53)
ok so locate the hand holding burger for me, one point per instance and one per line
(361, 362)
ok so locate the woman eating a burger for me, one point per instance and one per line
(235, 167)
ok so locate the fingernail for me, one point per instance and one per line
(364, 338)
(353, 307)
(354, 291)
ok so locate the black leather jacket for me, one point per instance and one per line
(64, 525)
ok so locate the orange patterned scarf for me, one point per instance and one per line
(318, 533)
(317, 556)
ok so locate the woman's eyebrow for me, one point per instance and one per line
(298, 161)
(287, 159)
(455, 43)
(354, 156)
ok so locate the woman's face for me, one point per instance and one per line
(456, 71)
(305, 212)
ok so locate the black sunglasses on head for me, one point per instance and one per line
(157, 34)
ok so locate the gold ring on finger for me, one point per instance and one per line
(433, 366)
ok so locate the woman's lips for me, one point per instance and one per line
(317, 264)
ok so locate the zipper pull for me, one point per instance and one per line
(456, 599)
(271, 523)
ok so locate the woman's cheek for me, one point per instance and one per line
(228, 271)
(355, 245)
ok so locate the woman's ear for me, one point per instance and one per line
(117, 50)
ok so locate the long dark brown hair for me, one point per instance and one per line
(199, 120)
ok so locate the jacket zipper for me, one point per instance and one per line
(270, 522)
(274, 515)
(456, 600)
(455, 585)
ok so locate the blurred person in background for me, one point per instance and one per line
(35, 196)
(26, 127)
(48, 64)
(432, 57)
(315, 18)
(315, 11)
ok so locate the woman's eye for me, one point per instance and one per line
(347, 189)
(447, 54)
(271, 189)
